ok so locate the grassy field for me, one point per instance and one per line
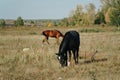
(23, 57)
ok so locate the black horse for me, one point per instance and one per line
(70, 42)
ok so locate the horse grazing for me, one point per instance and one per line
(70, 42)
(52, 33)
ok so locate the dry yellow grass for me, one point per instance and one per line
(23, 57)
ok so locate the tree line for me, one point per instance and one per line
(108, 14)
(18, 22)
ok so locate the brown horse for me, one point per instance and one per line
(52, 33)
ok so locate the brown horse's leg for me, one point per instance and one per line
(43, 41)
(57, 40)
(46, 39)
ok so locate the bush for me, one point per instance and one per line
(19, 22)
(91, 30)
(2, 23)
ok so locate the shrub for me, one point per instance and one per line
(2, 23)
(19, 22)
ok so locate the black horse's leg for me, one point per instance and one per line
(75, 56)
(69, 58)
(65, 56)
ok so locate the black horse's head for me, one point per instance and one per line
(61, 59)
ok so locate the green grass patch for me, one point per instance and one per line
(33, 33)
(91, 30)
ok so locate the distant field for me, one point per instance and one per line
(23, 57)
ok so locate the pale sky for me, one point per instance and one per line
(40, 9)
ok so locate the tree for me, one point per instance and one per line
(77, 17)
(99, 18)
(111, 9)
(115, 17)
(2, 23)
(115, 13)
(90, 13)
(19, 22)
(64, 22)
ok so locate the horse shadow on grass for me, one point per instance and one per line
(92, 58)
(95, 60)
